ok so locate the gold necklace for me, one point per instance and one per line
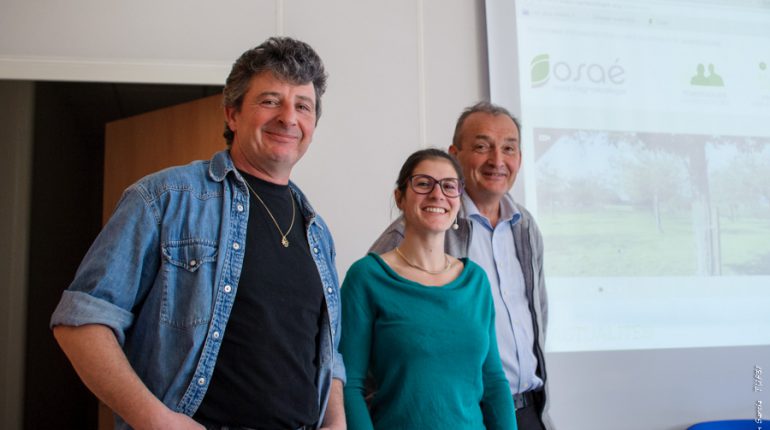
(284, 241)
(418, 267)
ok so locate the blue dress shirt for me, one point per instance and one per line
(493, 248)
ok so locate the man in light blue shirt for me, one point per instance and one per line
(503, 238)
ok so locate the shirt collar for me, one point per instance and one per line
(221, 164)
(508, 211)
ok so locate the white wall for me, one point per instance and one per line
(664, 389)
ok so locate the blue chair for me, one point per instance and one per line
(727, 425)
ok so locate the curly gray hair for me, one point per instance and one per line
(289, 59)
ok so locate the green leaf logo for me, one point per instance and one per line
(540, 68)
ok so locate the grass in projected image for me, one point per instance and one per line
(745, 246)
(621, 241)
(651, 204)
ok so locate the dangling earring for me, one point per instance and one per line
(455, 226)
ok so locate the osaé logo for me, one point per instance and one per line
(594, 73)
(540, 68)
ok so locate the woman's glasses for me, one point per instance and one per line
(424, 184)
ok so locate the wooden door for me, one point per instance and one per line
(146, 143)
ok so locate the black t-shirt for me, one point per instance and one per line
(265, 375)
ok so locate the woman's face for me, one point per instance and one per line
(433, 211)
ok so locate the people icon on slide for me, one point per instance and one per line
(710, 80)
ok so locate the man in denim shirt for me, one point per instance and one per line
(210, 299)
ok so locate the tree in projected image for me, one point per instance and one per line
(645, 203)
(609, 191)
(740, 182)
(691, 149)
(655, 180)
(739, 174)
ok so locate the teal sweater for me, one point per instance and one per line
(431, 351)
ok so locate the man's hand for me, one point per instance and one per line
(171, 420)
(98, 359)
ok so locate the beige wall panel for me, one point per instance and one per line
(455, 64)
(380, 102)
(16, 137)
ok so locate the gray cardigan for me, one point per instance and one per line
(529, 248)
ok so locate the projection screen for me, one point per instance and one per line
(646, 145)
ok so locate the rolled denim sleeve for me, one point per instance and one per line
(77, 308)
(118, 269)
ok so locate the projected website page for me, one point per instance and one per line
(646, 145)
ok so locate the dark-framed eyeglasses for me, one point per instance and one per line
(424, 184)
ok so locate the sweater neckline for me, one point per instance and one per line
(455, 283)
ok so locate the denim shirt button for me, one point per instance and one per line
(236, 246)
(193, 263)
(239, 207)
(215, 335)
(201, 381)
(329, 290)
(315, 250)
(228, 288)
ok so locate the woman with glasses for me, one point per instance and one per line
(420, 323)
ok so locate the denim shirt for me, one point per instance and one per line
(163, 275)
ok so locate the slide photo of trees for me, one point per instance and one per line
(616, 203)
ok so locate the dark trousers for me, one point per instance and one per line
(527, 418)
(218, 427)
(215, 426)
